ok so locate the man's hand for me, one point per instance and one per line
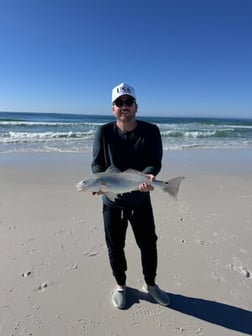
(147, 186)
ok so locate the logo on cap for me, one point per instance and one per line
(123, 89)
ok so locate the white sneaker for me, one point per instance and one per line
(157, 294)
(119, 298)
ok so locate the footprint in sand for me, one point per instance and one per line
(237, 266)
(218, 277)
(43, 286)
(26, 274)
(200, 242)
(72, 267)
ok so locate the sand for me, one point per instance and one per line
(55, 277)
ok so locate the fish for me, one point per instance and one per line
(114, 183)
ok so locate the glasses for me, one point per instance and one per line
(128, 102)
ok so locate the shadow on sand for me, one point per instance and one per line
(221, 314)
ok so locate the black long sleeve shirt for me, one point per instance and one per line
(140, 149)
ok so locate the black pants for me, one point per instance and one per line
(142, 222)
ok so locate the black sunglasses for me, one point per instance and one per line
(128, 102)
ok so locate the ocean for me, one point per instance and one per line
(56, 132)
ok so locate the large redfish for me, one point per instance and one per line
(114, 183)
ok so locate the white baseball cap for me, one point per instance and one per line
(123, 89)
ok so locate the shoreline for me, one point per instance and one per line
(68, 132)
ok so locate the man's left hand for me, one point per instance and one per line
(147, 186)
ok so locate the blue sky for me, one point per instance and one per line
(184, 57)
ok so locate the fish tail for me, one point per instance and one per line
(172, 186)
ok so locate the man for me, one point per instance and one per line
(123, 144)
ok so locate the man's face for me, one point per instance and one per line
(125, 108)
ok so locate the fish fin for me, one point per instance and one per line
(134, 171)
(172, 186)
(112, 196)
(112, 169)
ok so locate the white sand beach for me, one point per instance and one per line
(55, 276)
